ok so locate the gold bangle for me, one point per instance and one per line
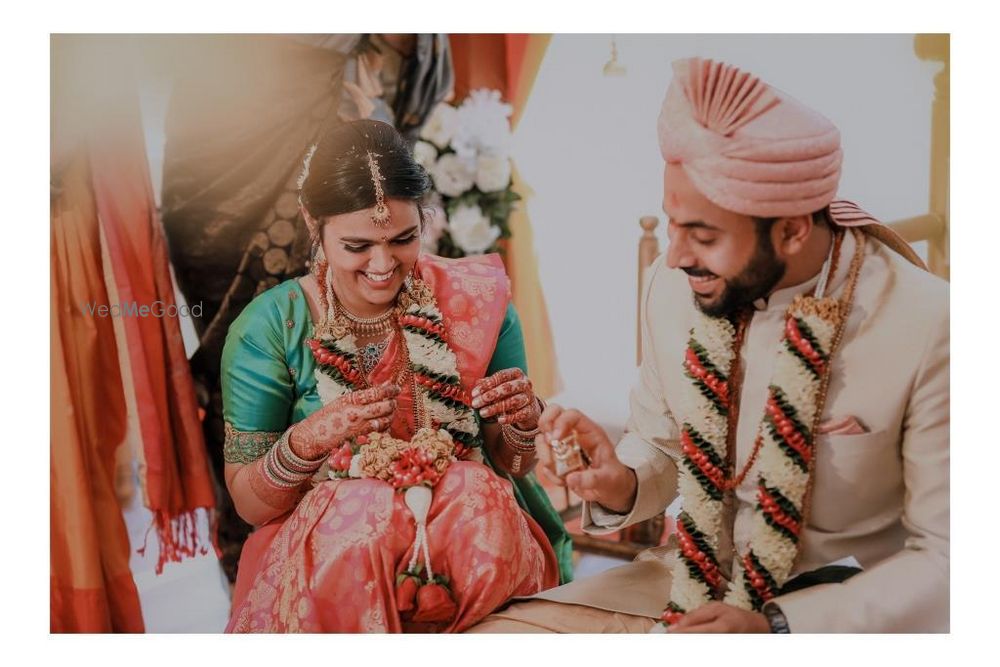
(517, 440)
(521, 447)
(278, 471)
(275, 476)
(293, 461)
(533, 432)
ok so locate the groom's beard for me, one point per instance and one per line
(755, 281)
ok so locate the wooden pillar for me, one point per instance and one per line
(937, 47)
(649, 248)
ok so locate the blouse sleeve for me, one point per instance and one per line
(509, 352)
(257, 389)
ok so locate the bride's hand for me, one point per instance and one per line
(353, 414)
(508, 396)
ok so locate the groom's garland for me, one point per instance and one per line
(785, 447)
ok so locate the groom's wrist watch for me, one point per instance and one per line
(776, 619)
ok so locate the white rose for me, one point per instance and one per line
(425, 154)
(452, 175)
(471, 230)
(483, 125)
(441, 126)
(492, 173)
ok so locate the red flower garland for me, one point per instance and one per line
(778, 515)
(756, 580)
(422, 323)
(804, 347)
(694, 366)
(787, 430)
(696, 456)
(693, 553)
(454, 392)
(326, 357)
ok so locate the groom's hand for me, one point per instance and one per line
(607, 480)
(719, 617)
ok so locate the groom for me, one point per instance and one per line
(794, 392)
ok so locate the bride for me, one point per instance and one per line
(379, 422)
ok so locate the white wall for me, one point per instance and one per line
(587, 146)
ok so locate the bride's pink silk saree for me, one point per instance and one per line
(331, 564)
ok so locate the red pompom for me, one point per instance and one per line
(434, 604)
(406, 593)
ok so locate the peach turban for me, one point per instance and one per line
(746, 146)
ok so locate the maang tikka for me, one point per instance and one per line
(380, 217)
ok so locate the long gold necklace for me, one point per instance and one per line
(369, 355)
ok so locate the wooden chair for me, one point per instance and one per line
(935, 225)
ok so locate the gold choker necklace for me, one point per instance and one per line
(365, 326)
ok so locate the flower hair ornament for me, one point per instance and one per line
(304, 174)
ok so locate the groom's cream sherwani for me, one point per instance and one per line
(881, 496)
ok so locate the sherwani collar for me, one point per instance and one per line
(781, 299)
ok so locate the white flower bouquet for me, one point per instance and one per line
(466, 151)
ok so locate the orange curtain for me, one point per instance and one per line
(480, 61)
(101, 187)
(510, 63)
(92, 589)
(175, 474)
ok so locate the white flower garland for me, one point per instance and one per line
(776, 549)
(434, 355)
(786, 437)
(773, 549)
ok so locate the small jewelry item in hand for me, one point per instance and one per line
(569, 456)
